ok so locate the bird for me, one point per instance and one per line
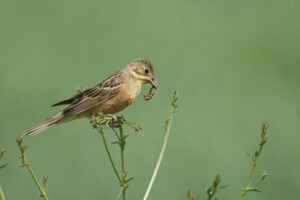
(110, 96)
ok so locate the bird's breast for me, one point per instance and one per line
(134, 88)
(124, 98)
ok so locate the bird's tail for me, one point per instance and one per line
(56, 118)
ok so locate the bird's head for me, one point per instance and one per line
(142, 70)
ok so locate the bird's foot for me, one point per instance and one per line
(115, 121)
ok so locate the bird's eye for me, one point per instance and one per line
(146, 71)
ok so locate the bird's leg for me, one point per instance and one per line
(114, 121)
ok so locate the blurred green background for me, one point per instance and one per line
(234, 63)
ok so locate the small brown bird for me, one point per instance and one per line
(109, 97)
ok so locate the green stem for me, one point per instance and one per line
(249, 181)
(255, 158)
(123, 162)
(2, 197)
(27, 165)
(123, 178)
(135, 126)
(168, 126)
(109, 156)
(37, 183)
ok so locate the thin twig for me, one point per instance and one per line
(191, 195)
(2, 152)
(122, 144)
(120, 193)
(132, 125)
(213, 189)
(101, 130)
(167, 132)
(27, 165)
(255, 158)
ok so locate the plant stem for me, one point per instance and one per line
(255, 158)
(248, 185)
(27, 165)
(123, 162)
(109, 155)
(213, 189)
(41, 189)
(162, 151)
(190, 195)
(103, 120)
(2, 197)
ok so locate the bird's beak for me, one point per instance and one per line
(153, 82)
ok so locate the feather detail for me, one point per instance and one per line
(58, 117)
(94, 97)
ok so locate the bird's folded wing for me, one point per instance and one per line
(95, 96)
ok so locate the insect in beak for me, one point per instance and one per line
(153, 82)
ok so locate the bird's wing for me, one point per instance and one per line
(92, 97)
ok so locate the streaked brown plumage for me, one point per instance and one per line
(109, 97)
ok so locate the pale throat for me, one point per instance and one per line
(134, 87)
